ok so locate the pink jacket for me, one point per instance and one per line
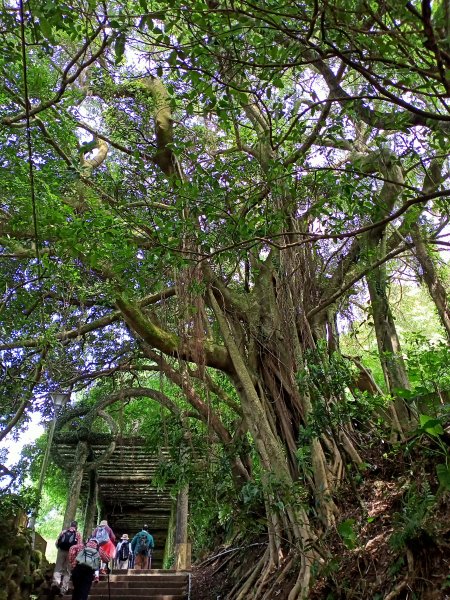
(73, 552)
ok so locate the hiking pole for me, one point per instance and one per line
(109, 587)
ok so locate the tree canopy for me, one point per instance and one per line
(209, 190)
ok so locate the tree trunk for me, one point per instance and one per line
(432, 280)
(80, 458)
(91, 505)
(291, 522)
(392, 362)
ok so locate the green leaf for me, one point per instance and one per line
(119, 48)
(45, 28)
(443, 474)
(172, 58)
(430, 425)
(404, 393)
(347, 533)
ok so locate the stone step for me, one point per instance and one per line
(136, 582)
(141, 584)
(144, 583)
(136, 576)
(148, 571)
(149, 579)
(150, 596)
(114, 592)
(157, 561)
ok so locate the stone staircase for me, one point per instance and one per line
(153, 584)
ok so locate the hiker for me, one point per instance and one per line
(105, 538)
(73, 553)
(142, 545)
(85, 570)
(61, 575)
(123, 552)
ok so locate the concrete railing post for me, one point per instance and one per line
(182, 547)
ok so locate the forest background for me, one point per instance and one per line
(226, 224)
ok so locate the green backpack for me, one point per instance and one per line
(143, 545)
(89, 557)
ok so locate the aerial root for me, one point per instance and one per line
(270, 593)
(249, 577)
(396, 591)
(301, 587)
(243, 593)
(264, 582)
(262, 579)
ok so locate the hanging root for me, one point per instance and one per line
(262, 580)
(301, 587)
(396, 591)
(248, 577)
(243, 592)
(271, 592)
(350, 449)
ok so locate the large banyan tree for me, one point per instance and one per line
(202, 187)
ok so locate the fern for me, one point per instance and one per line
(411, 523)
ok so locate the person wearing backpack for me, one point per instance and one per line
(61, 575)
(105, 538)
(87, 564)
(73, 553)
(123, 552)
(142, 545)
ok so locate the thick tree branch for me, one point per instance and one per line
(66, 78)
(215, 356)
(27, 395)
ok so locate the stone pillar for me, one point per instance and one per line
(169, 548)
(182, 547)
(183, 557)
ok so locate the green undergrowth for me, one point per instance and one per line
(392, 537)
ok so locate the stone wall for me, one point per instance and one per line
(20, 566)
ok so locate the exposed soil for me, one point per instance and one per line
(396, 544)
(207, 584)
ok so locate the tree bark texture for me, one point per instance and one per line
(394, 368)
(91, 505)
(76, 479)
(431, 278)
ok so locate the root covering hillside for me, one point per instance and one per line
(394, 542)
